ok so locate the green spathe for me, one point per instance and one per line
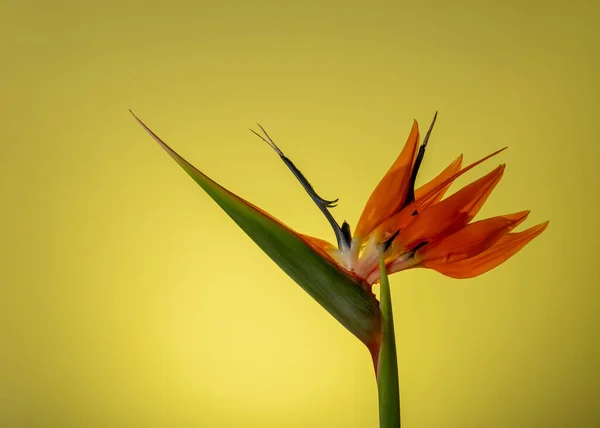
(339, 293)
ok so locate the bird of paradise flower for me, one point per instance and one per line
(400, 228)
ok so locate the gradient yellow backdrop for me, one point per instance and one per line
(128, 299)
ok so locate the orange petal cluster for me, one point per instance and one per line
(431, 231)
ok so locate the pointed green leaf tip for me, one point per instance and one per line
(339, 293)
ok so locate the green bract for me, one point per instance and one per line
(339, 293)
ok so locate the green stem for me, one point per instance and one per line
(387, 366)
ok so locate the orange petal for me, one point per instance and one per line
(322, 246)
(390, 193)
(497, 254)
(467, 242)
(450, 171)
(470, 240)
(450, 214)
(403, 218)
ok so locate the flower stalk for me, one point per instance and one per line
(387, 367)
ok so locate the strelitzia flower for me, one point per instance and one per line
(401, 227)
(421, 229)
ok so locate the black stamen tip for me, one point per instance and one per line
(410, 197)
(387, 244)
(416, 248)
(429, 130)
(347, 233)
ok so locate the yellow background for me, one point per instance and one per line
(128, 299)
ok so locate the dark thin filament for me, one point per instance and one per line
(343, 236)
(410, 197)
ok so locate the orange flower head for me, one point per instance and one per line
(419, 227)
